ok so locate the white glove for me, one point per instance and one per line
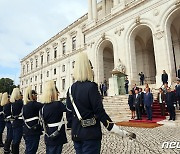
(122, 133)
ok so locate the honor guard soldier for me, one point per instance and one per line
(2, 122)
(51, 116)
(85, 111)
(8, 119)
(32, 129)
(17, 124)
(170, 102)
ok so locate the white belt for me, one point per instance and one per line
(8, 117)
(31, 119)
(1, 112)
(56, 124)
(20, 118)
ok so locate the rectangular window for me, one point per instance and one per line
(41, 59)
(41, 76)
(35, 78)
(55, 83)
(64, 48)
(63, 68)
(73, 43)
(55, 52)
(31, 79)
(22, 82)
(48, 56)
(31, 65)
(23, 69)
(35, 88)
(27, 67)
(55, 71)
(63, 84)
(36, 63)
(41, 89)
(84, 39)
(47, 73)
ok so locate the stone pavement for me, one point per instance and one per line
(112, 144)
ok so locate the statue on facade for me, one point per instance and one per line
(120, 68)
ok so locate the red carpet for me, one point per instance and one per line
(138, 124)
(156, 114)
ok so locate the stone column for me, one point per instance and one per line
(94, 8)
(90, 15)
(116, 2)
(163, 56)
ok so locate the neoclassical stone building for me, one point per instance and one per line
(143, 34)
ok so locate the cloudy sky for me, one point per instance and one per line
(26, 24)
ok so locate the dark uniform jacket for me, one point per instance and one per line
(1, 114)
(126, 83)
(52, 113)
(16, 111)
(170, 98)
(89, 103)
(137, 100)
(30, 110)
(178, 90)
(7, 110)
(164, 78)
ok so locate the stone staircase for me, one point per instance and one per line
(117, 107)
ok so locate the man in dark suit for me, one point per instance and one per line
(138, 104)
(148, 101)
(161, 100)
(141, 78)
(142, 100)
(178, 73)
(170, 101)
(177, 87)
(164, 77)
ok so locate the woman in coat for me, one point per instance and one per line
(8, 119)
(85, 110)
(17, 124)
(52, 120)
(2, 122)
(131, 102)
(32, 129)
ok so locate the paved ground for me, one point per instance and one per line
(112, 144)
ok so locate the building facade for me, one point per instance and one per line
(144, 35)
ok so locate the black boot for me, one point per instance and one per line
(7, 147)
(15, 148)
(1, 142)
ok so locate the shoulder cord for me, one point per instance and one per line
(74, 105)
